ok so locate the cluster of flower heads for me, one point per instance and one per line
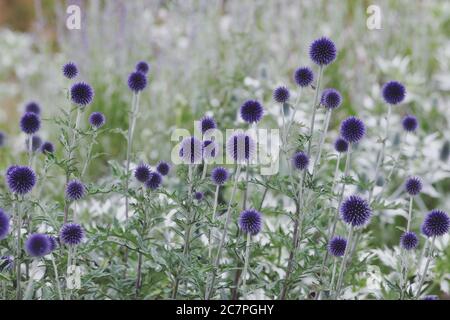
(151, 179)
(137, 80)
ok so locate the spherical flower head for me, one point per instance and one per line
(352, 129)
(281, 94)
(409, 241)
(71, 234)
(154, 181)
(142, 172)
(37, 245)
(355, 211)
(47, 147)
(431, 297)
(191, 150)
(336, 246)
(393, 92)
(6, 263)
(198, 196)
(30, 123)
(207, 123)
(241, 147)
(163, 168)
(410, 123)
(75, 190)
(137, 81)
(36, 143)
(436, 223)
(424, 231)
(4, 224)
(300, 160)
(70, 70)
(33, 107)
(53, 243)
(143, 67)
(210, 149)
(340, 145)
(413, 185)
(2, 139)
(97, 120)
(250, 221)
(331, 98)
(82, 94)
(20, 179)
(303, 76)
(252, 111)
(322, 51)
(219, 176)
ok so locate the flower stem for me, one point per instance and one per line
(316, 99)
(210, 231)
(408, 227)
(89, 154)
(344, 263)
(322, 140)
(422, 278)
(55, 270)
(246, 262)
(18, 252)
(132, 122)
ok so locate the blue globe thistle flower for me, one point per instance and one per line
(431, 297)
(143, 67)
(71, 234)
(355, 211)
(393, 92)
(97, 120)
(20, 179)
(409, 241)
(154, 181)
(303, 76)
(82, 94)
(70, 70)
(410, 123)
(281, 94)
(210, 149)
(322, 51)
(413, 185)
(252, 111)
(33, 107)
(2, 139)
(191, 150)
(163, 168)
(300, 160)
(75, 190)
(219, 175)
(53, 243)
(6, 263)
(352, 129)
(436, 223)
(336, 246)
(137, 81)
(4, 224)
(207, 123)
(198, 196)
(250, 221)
(30, 123)
(47, 147)
(331, 98)
(241, 147)
(37, 245)
(36, 143)
(340, 145)
(142, 172)
(424, 231)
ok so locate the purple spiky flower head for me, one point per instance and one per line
(210, 149)
(36, 143)
(81, 94)
(47, 147)
(37, 245)
(33, 107)
(352, 129)
(340, 145)
(219, 176)
(4, 224)
(70, 70)
(154, 181)
(207, 123)
(241, 147)
(6, 263)
(410, 123)
(198, 196)
(30, 123)
(300, 160)
(355, 211)
(53, 243)
(250, 221)
(191, 150)
(75, 190)
(97, 120)
(143, 67)
(137, 81)
(71, 234)
(322, 51)
(281, 94)
(431, 297)
(424, 231)
(336, 246)
(252, 111)
(163, 168)
(2, 139)
(331, 98)
(409, 240)
(303, 76)
(413, 185)
(393, 92)
(142, 172)
(436, 223)
(20, 179)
